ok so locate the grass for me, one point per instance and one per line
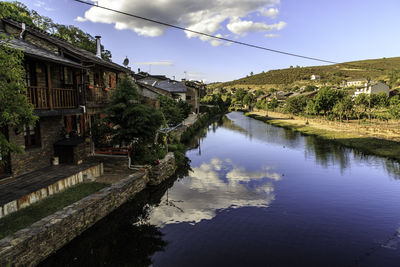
(367, 145)
(31, 214)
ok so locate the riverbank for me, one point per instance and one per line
(353, 137)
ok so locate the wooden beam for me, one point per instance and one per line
(50, 93)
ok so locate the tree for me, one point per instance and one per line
(130, 121)
(296, 105)
(326, 99)
(361, 102)
(273, 104)
(310, 88)
(239, 95)
(16, 11)
(259, 93)
(248, 100)
(343, 108)
(170, 110)
(15, 109)
(394, 111)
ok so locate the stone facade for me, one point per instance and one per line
(36, 157)
(193, 99)
(163, 170)
(29, 246)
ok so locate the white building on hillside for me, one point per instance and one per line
(373, 88)
(315, 77)
(356, 82)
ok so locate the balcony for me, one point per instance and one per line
(97, 96)
(56, 98)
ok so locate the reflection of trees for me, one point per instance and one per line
(231, 125)
(122, 238)
(393, 168)
(328, 152)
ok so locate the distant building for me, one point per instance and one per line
(189, 91)
(373, 88)
(315, 77)
(356, 82)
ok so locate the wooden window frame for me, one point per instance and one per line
(32, 140)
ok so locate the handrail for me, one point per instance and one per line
(55, 98)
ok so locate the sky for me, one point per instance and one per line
(339, 31)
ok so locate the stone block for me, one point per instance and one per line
(10, 207)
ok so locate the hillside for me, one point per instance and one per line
(377, 69)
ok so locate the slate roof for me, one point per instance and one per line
(32, 50)
(83, 54)
(166, 85)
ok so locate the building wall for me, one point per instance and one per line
(194, 100)
(379, 88)
(31, 38)
(37, 157)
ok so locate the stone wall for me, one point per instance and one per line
(162, 171)
(59, 186)
(36, 157)
(31, 245)
(82, 152)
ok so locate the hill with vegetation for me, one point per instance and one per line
(387, 69)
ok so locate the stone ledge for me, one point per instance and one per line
(31, 245)
(56, 187)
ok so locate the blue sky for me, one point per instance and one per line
(333, 30)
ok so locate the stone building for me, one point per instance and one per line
(151, 86)
(68, 87)
(373, 88)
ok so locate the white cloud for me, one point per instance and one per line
(208, 16)
(272, 35)
(270, 12)
(39, 3)
(43, 5)
(224, 185)
(80, 19)
(242, 27)
(156, 63)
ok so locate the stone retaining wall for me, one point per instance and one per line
(162, 171)
(29, 246)
(54, 188)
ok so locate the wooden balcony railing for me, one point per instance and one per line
(55, 98)
(97, 96)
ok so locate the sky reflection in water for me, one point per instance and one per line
(223, 184)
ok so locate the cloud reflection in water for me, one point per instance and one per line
(219, 184)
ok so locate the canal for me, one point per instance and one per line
(256, 195)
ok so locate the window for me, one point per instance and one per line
(32, 135)
(188, 97)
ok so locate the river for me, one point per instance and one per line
(256, 195)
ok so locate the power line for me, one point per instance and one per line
(205, 34)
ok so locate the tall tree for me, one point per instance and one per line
(129, 120)
(15, 109)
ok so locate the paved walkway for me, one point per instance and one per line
(25, 184)
(190, 119)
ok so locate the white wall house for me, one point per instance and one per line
(315, 77)
(373, 88)
(356, 82)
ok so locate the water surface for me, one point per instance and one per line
(256, 195)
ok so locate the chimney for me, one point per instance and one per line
(98, 46)
(23, 28)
